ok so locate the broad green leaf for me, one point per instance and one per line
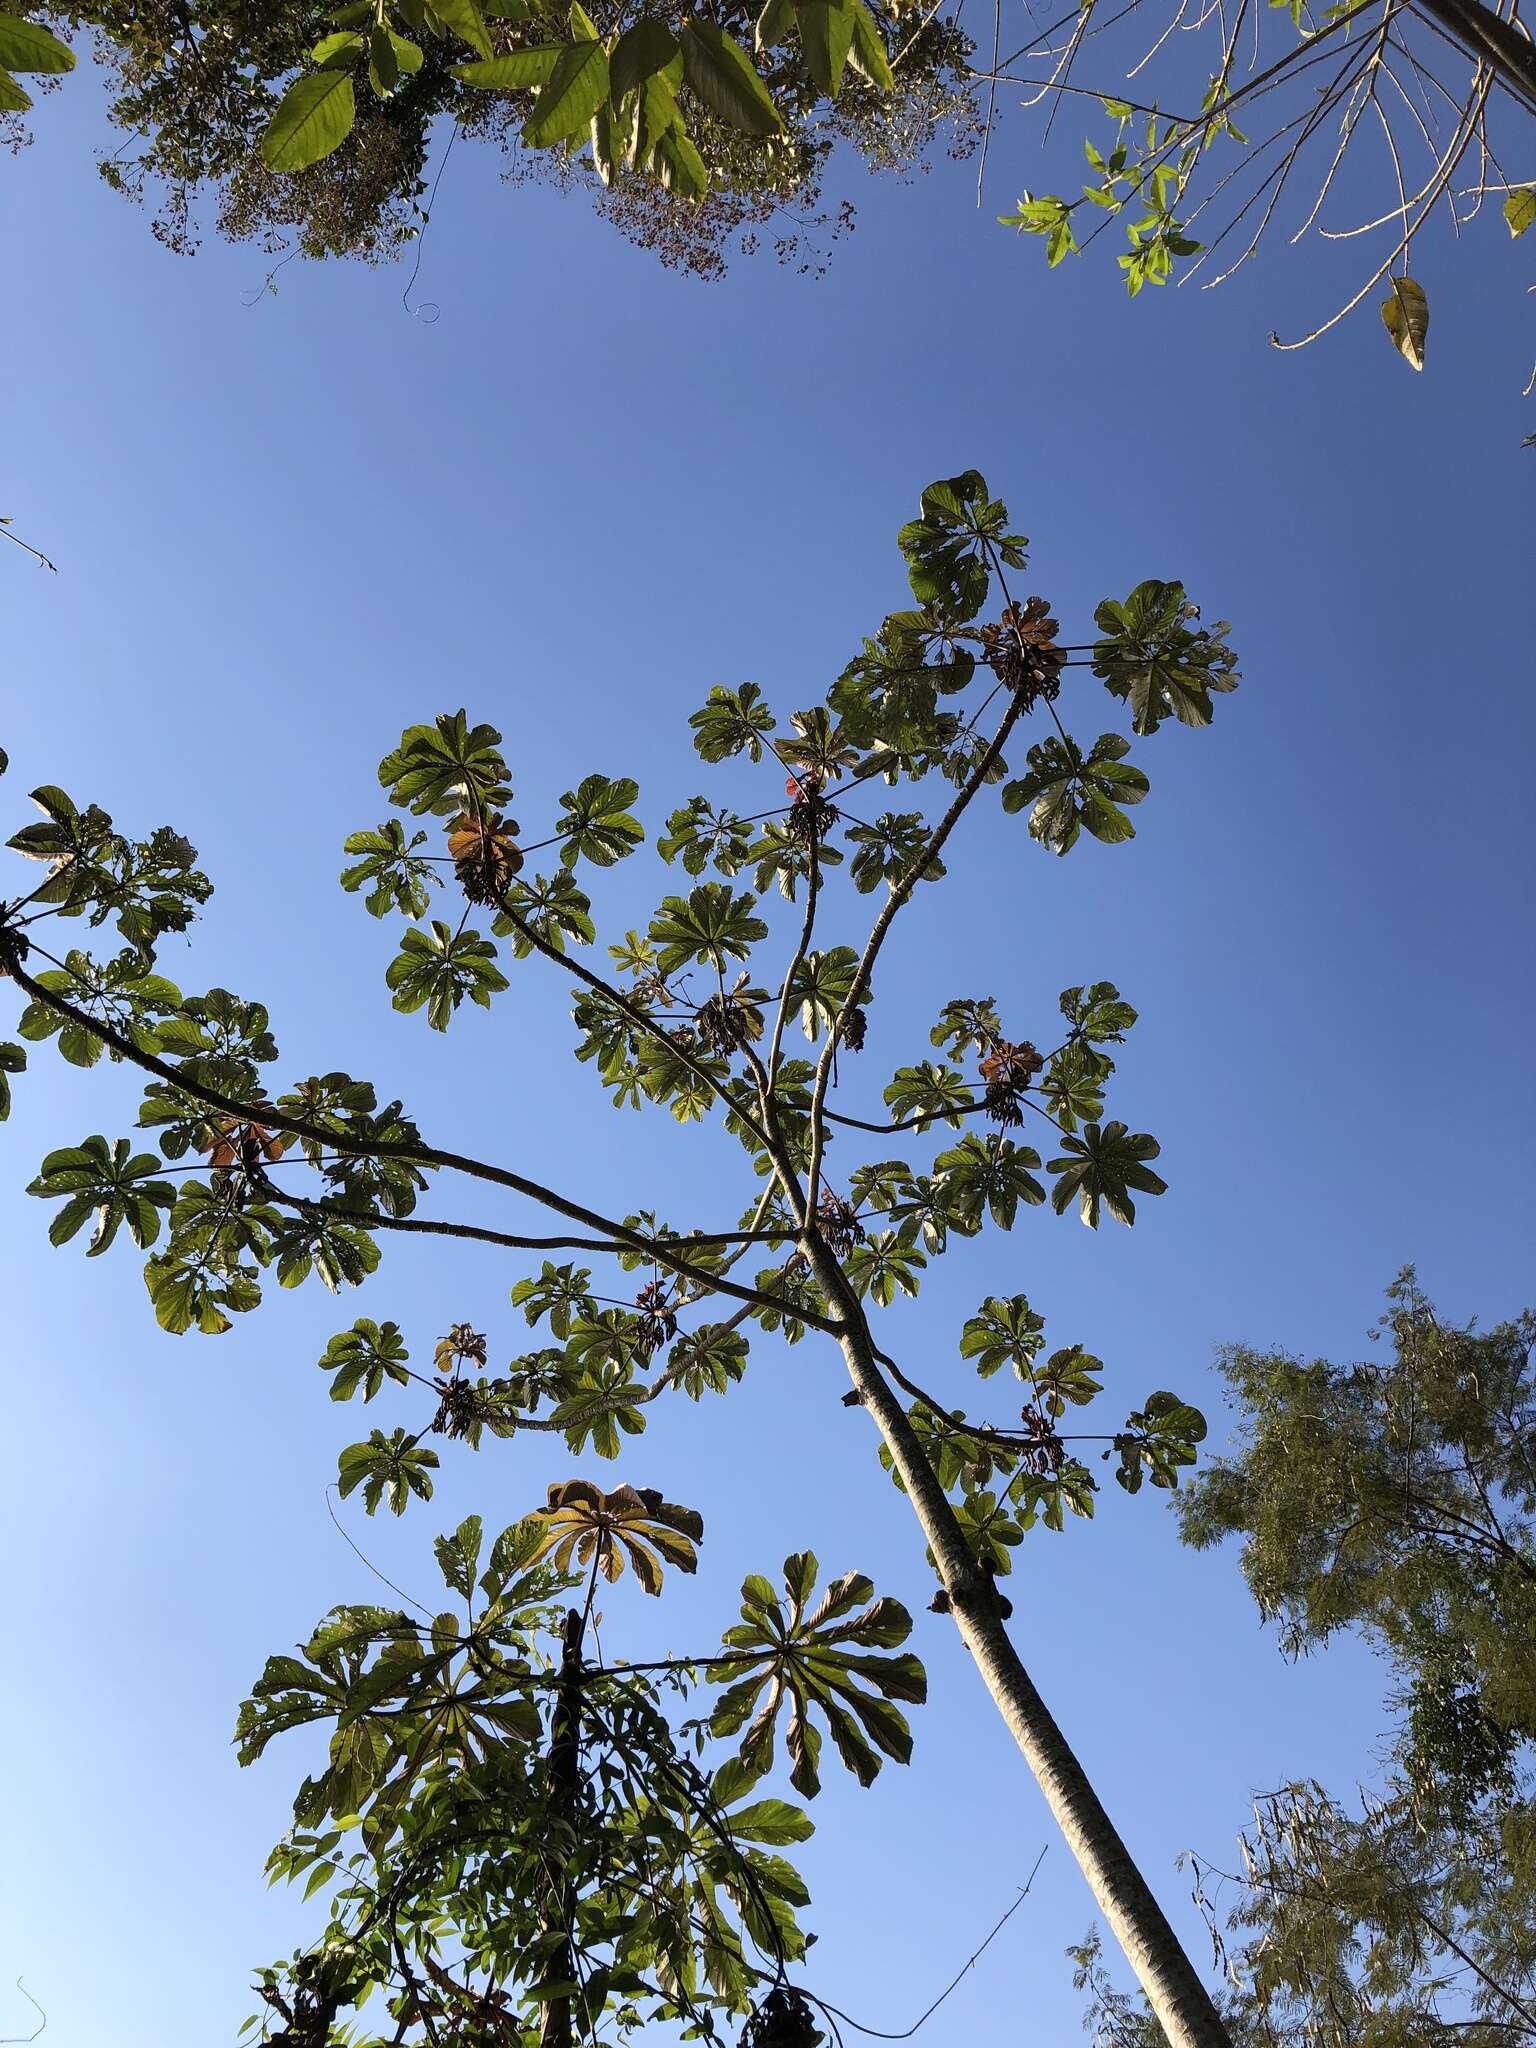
(337, 52)
(646, 48)
(13, 1060)
(826, 36)
(682, 168)
(719, 70)
(314, 117)
(466, 21)
(867, 51)
(1520, 208)
(577, 87)
(517, 70)
(28, 46)
(774, 23)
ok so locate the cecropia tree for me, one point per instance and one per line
(741, 1007)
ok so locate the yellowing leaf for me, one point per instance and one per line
(1520, 209)
(1406, 314)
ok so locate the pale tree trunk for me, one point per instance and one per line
(558, 2030)
(1173, 1987)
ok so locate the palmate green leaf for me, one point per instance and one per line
(1072, 792)
(928, 1093)
(710, 926)
(458, 1556)
(1049, 1497)
(1100, 1168)
(816, 744)
(364, 1357)
(559, 1292)
(781, 856)
(13, 1060)
(991, 1530)
(314, 117)
(109, 1183)
(596, 823)
(447, 767)
(387, 1468)
(820, 985)
(553, 907)
(437, 969)
(1073, 1083)
(395, 875)
(709, 1359)
(598, 1414)
(945, 548)
(985, 1177)
(1069, 1378)
(828, 1660)
(1160, 1441)
(881, 1265)
(719, 70)
(1005, 1330)
(702, 835)
(188, 1294)
(1156, 657)
(1098, 1012)
(887, 849)
(666, 1074)
(967, 1024)
(338, 1254)
(734, 721)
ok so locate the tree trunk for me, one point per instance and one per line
(558, 2030)
(1177, 1996)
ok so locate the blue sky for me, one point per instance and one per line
(585, 493)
